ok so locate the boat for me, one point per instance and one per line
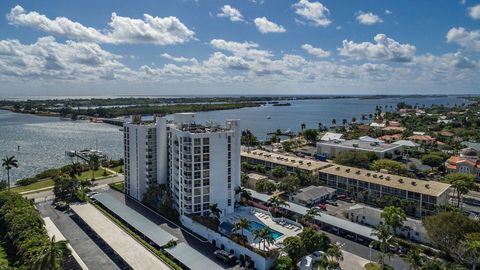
(269, 117)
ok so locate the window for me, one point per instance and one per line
(206, 141)
(196, 141)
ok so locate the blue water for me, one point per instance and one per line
(257, 226)
(44, 140)
(314, 111)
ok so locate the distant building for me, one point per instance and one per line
(271, 160)
(312, 195)
(423, 195)
(468, 162)
(331, 136)
(254, 178)
(390, 138)
(422, 139)
(412, 228)
(199, 164)
(382, 150)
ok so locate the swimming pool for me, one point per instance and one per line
(257, 226)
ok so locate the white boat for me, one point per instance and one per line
(269, 117)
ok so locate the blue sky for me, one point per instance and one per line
(239, 47)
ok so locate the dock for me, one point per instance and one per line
(86, 154)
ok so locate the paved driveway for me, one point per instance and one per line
(86, 248)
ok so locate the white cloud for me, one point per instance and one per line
(180, 59)
(474, 12)
(149, 30)
(469, 40)
(388, 12)
(266, 26)
(313, 12)
(47, 59)
(384, 48)
(245, 49)
(232, 13)
(318, 52)
(368, 18)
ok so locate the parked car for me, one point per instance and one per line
(224, 256)
(322, 207)
(317, 255)
(331, 202)
(305, 263)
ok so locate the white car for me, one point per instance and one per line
(306, 263)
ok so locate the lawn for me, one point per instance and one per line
(38, 185)
(118, 169)
(120, 186)
(48, 182)
(376, 266)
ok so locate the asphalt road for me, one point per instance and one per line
(46, 195)
(86, 248)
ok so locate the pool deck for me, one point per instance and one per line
(263, 217)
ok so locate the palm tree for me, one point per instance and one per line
(334, 122)
(344, 122)
(310, 215)
(268, 238)
(394, 217)
(303, 126)
(320, 125)
(471, 247)
(51, 257)
(9, 163)
(263, 235)
(215, 211)
(258, 235)
(462, 183)
(333, 255)
(94, 163)
(242, 224)
(245, 194)
(354, 119)
(275, 202)
(74, 172)
(414, 259)
(383, 235)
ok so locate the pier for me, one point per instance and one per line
(86, 154)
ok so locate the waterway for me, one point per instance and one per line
(44, 140)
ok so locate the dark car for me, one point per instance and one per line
(224, 256)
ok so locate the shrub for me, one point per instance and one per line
(26, 181)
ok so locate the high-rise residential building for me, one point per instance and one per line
(200, 164)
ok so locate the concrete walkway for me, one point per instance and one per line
(352, 261)
(131, 251)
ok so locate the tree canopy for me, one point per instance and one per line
(392, 166)
(359, 159)
(447, 229)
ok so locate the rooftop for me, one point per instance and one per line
(330, 136)
(313, 192)
(136, 220)
(432, 188)
(192, 258)
(301, 163)
(361, 145)
(368, 211)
